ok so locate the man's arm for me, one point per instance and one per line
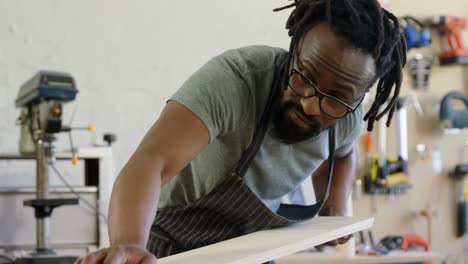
(341, 185)
(173, 141)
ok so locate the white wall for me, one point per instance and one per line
(127, 57)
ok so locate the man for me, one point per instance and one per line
(250, 126)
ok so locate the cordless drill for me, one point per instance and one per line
(450, 26)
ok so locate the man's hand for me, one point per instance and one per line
(333, 211)
(121, 254)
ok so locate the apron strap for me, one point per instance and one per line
(331, 158)
(260, 130)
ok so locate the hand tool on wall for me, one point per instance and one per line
(454, 117)
(416, 34)
(370, 160)
(450, 27)
(404, 242)
(385, 175)
(361, 169)
(453, 111)
(420, 69)
(460, 174)
(365, 247)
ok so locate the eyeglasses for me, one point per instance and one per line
(331, 105)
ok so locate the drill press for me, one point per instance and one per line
(41, 101)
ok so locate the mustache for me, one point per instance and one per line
(312, 120)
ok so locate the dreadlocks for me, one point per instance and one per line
(365, 26)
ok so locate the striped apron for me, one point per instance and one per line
(231, 209)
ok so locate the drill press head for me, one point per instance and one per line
(41, 101)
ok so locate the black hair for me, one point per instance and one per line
(365, 26)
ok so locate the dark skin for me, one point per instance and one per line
(335, 69)
(339, 71)
(178, 136)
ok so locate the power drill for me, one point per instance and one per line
(450, 26)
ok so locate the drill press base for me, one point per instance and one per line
(46, 259)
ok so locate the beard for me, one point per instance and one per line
(284, 127)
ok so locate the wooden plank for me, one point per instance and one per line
(266, 245)
(393, 257)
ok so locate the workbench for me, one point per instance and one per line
(393, 257)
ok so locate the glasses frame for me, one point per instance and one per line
(321, 94)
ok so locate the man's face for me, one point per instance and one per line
(335, 69)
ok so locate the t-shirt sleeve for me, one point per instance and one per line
(348, 131)
(217, 94)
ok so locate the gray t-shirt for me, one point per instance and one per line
(228, 94)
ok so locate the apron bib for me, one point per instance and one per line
(231, 209)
